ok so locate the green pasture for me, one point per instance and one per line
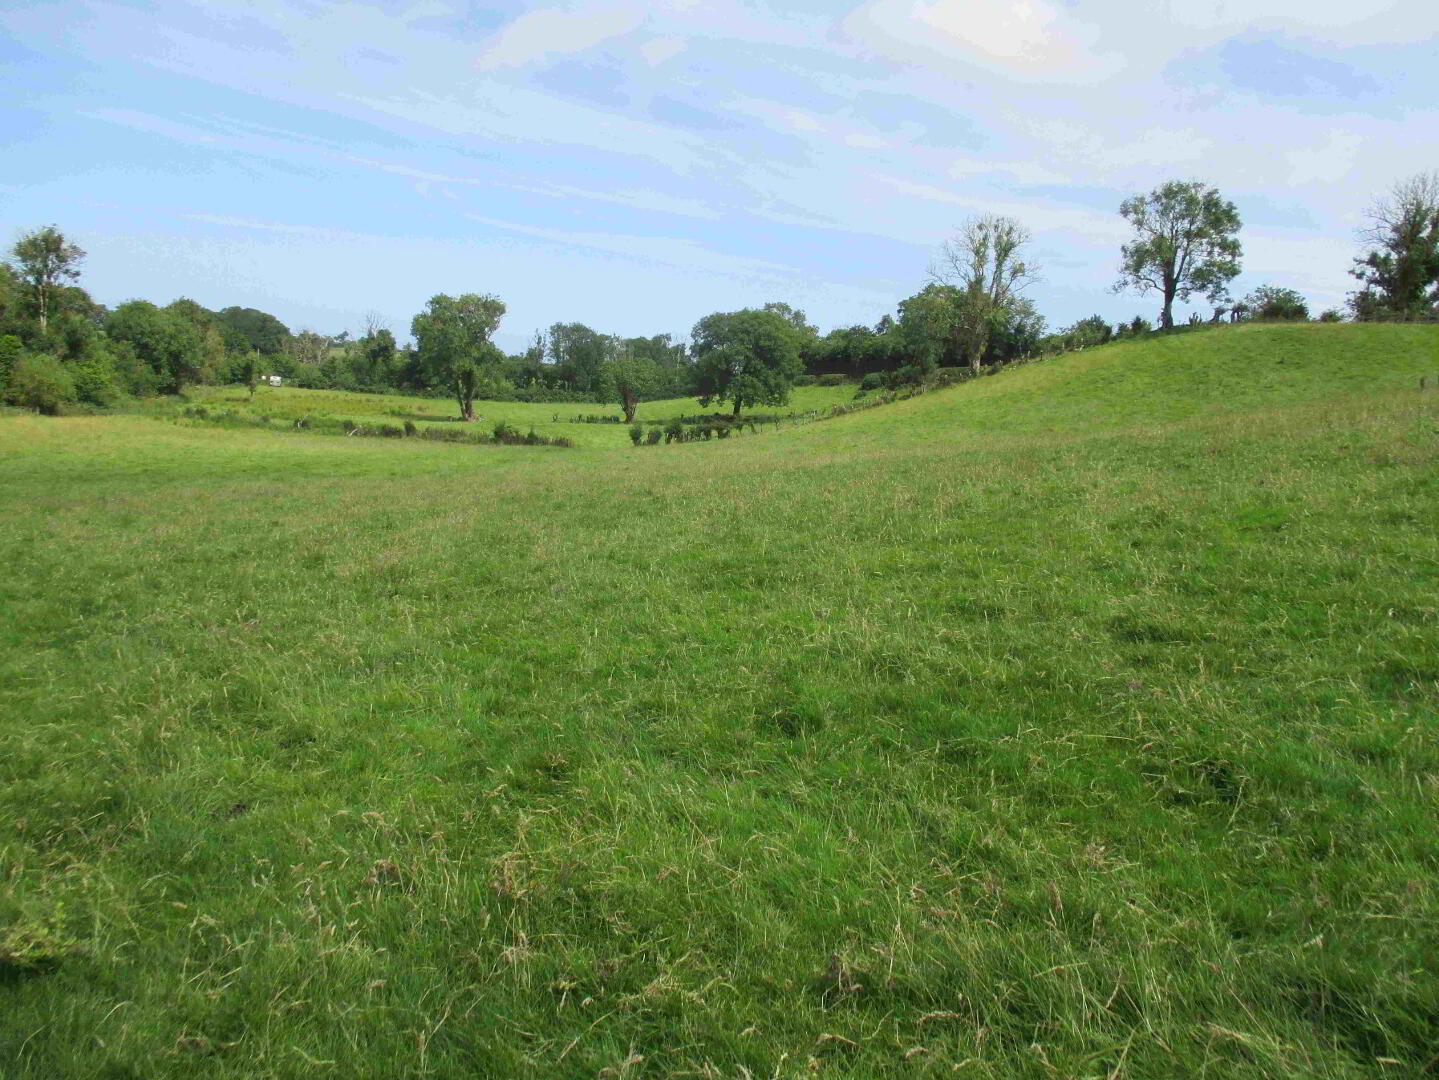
(1074, 722)
(285, 404)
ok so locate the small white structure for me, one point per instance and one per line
(274, 380)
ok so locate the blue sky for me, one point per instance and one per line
(636, 166)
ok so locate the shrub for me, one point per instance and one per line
(10, 352)
(832, 380)
(410, 428)
(806, 380)
(674, 430)
(654, 436)
(873, 381)
(1273, 303)
(390, 431)
(42, 384)
(637, 432)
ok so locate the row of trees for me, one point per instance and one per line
(57, 344)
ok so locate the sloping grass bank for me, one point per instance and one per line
(984, 734)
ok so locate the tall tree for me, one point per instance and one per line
(746, 357)
(212, 339)
(1186, 241)
(985, 261)
(46, 260)
(580, 354)
(627, 378)
(1401, 268)
(166, 343)
(246, 328)
(309, 347)
(928, 325)
(452, 335)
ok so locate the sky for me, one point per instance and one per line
(636, 166)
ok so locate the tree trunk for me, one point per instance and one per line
(974, 345)
(737, 404)
(630, 405)
(1166, 317)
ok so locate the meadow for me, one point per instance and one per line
(284, 405)
(1079, 721)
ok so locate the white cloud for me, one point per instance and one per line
(1039, 216)
(1027, 39)
(537, 35)
(655, 201)
(671, 251)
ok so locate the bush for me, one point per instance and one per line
(675, 430)
(10, 352)
(410, 428)
(637, 432)
(654, 436)
(805, 380)
(873, 381)
(831, 380)
(42, 384)
(95, 382)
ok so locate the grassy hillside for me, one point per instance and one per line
(1076, 722)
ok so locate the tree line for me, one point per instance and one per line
(58, 346)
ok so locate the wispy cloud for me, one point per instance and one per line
(538, 35)
(698, 152)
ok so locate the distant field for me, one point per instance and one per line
(1079, 722)
(286, 403)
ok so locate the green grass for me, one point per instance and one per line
(1076, 722)
(286, 404)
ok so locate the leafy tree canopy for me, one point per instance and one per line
(165, 342)
(746, 357)
(1186, 241)
(452, 336)
(1274, 303)
(45, 260)
(246, 328)
(1400, 271)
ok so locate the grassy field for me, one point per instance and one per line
(286, 404)
(1075, 722)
